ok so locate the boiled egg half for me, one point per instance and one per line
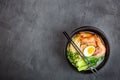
(89, 50)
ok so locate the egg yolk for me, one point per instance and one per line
(91, 50)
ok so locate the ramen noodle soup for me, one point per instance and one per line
(91, 45)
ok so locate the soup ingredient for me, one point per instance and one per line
(100, 50)
(76, 40)
(89, 40)
(79, 63)
(89, 51)
(83, 34)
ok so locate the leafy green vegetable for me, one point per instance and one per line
(93, 61)
(75, 59)
(82, 68)
(79, 63)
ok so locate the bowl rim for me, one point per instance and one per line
(103, 37)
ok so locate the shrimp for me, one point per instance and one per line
(89, 41)
(100, 50)
(84, 34)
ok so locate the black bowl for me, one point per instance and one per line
(103, 37)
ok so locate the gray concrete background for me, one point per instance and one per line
(32, 44)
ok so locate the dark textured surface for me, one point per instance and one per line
(32, 44)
